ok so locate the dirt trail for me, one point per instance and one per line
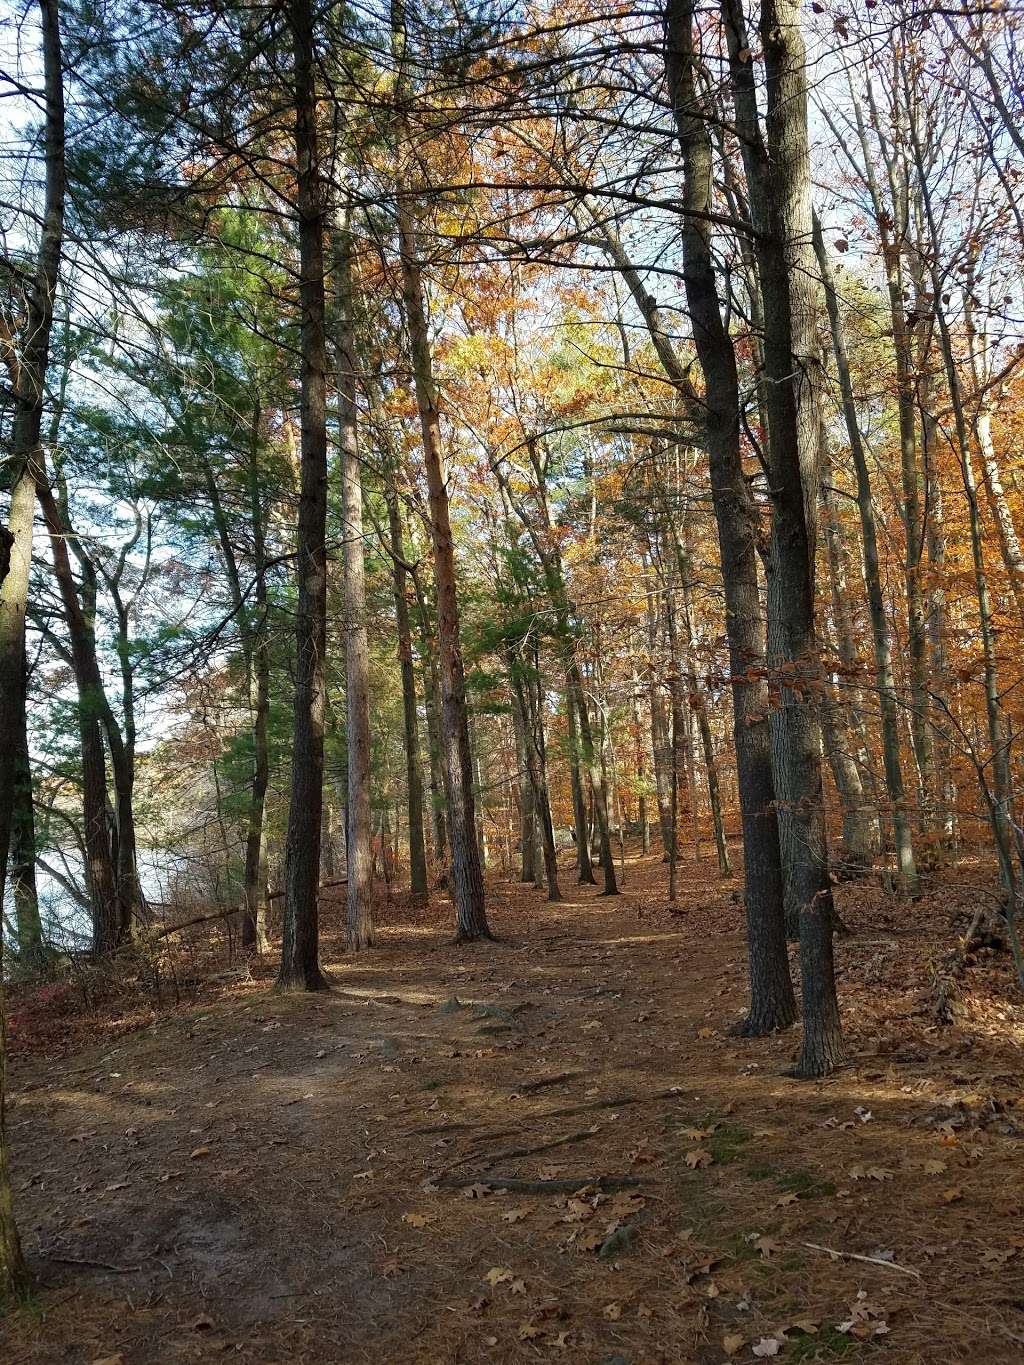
(330, 1178)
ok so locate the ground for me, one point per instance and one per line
(546, 1148)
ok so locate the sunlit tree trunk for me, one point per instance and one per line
(359, 890)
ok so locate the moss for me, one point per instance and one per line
(826, 1344)
(799, 1182)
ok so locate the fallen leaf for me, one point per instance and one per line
(933, 1167)
(516, 1215)
(612, 1311)
(198, 1152)
(953, 1195)
(732, 1342)
(698, 1157)
(498, 1274)
(418, 1220)
(528, 1331)
(705, 1033)
(476, 1191)
(808, 1325)
(786, 1199)
(767, 1346)
(517, 1287)
(767, 1246)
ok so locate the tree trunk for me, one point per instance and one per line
(300, 954)
(781, 204)
(467, 875)
(431, 706)
(30, 946)
(359, 890)
(881, 640)
(772, 1002)
(29, 384)
(524, 795)
(529, 700)
(413, 768)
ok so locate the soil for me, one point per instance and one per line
(544, 1148)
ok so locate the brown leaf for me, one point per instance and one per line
(953, 1195)
(198, 1152)
(732, 1342)
(516, 1215)
(418, 1220)
(698, 1157)
(476, 1191)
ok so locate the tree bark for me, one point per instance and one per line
(467, 874)
(29, 387)
(772, 1002)
(359, 891)
(418, 884)
(300, 958)
(885, 681)
(781, 205)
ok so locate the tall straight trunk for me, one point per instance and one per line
(838, 717)
(524, 792)
(660, 740)
(431, 706)
(885, 681)
(781, 204)
(478, 795)
(584, 863)
(467, 874)
(410, 720)
(697, 702)
(300, 950)
(109, 922)
(28, 925)
(357, 649)
(254, 923)
(29, 385)
(772, 1002)
(1004, 827)
(890, 227)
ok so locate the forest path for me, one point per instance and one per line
(327, 1178)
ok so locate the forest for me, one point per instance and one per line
(511, 681)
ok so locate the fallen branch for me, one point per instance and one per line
(870, 1260)
(530, 1086)
(517, 1152)
(99, 1265)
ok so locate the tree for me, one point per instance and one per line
(300, 965)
